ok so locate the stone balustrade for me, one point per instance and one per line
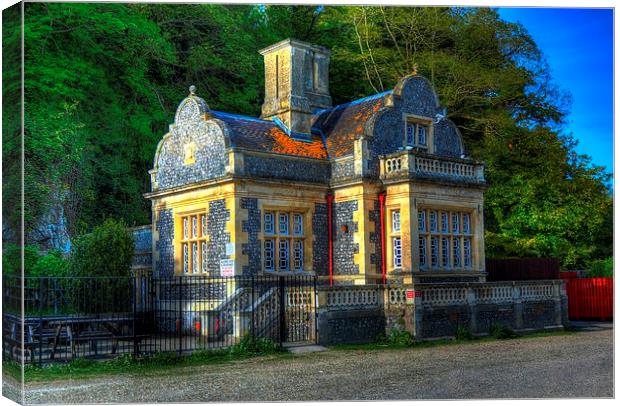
(488, 292)
(353, 313)
(411, 164)
(347, 297)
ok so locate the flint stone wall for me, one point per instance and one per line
(356, 314)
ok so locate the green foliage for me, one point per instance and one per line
(397, 338)
(12, 259)
(253, 345)
(51, 264)
(463, 333)
(502, 332)
(107, 251)
(601, 268)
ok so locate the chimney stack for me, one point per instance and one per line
(296, 83)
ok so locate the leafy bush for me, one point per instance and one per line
(462, 333)
(502, 332)
(252, 345)
(601, 268)
(107, 251)
(11, 259)
(51, 264)
(398, 338)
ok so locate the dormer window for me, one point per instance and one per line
(417, 133)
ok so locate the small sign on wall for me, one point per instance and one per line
(227, 267)
(409, 295)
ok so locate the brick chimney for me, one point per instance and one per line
(296, 83)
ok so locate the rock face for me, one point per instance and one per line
(51, 232)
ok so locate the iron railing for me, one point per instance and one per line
(61, 319)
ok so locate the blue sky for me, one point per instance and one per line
(578, 44)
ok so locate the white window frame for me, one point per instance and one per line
(432, 221)
(185, 258)
(397, 252)
(195, 257)
(283, 230)
(269, 223)
(422, 221)
(204, 256)
(396, 221)
(286, 252)
(466, 223)
(423, 133)
(456, 252)
(298, 255)
(203, 218)
(434, 252)
(269, 246)
(298, 224)
(422, 252)
(467, 257)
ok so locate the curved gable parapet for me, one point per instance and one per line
(413, 97)
(193, 150)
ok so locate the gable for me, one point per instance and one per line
(194, 150)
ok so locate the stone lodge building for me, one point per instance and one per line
(378, 189)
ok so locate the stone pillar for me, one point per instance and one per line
(418, 315)
(517, 306)
(557, 304)
(472, 303)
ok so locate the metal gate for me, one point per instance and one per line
(298, 309)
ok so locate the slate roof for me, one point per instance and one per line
(265, 135)
(343, 123)
(333, 133)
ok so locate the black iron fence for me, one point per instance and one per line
(61, 319)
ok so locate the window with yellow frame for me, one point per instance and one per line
(193, 243)
(395, 238)
(283, 243)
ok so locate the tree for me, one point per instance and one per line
(107, 251)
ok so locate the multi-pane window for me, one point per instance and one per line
(421, 134)
(269, 228)
(422, 246)
(422, 221)
(283, 223)
(298, 256)
(194, 243)
(467, 252)
(432, 219)
(283, 256)
(283, 251)
(445, 239)
(444, 222)
(466, 224)
(434, 252)
(445, 252)
(269, 254)
(397, 249)
(397, 252)
(416, 134)
(396, 220)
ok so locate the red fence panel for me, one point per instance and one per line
(590, 298)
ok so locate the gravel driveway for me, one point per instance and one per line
(577, 365)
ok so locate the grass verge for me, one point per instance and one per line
(403, 344)
(152, 364)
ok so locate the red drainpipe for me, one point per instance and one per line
(382, 222)
(330, 238)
